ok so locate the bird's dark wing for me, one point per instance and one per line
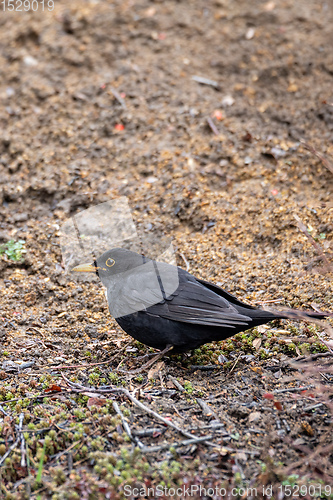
(230, 298)
(191, 302)
(194, 303)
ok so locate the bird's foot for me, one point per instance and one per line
(148, 364)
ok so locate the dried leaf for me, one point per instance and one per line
(262, 328)
(96, 402)
(53, 388)
(153, 372)
(254, 416)
(278, 405)
(282, 332)
(256, 343)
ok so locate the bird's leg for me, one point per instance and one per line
(145, 356)
(149, 363)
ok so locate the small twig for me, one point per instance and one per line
(324, 377)
(23, 447)
(176, 383)
(125, 425)
(148, 432)
(214, 426)
(36, 493)
(313, 407)
(313, 357)
(326, 344)
(309, 265)
(234, 366)
(316, 308)
(58, 455)
(19, 438)
(39, 333)
(322, 158)
(186, 262)
(318, 248)
(13, 446)
(206, 81)
(118, 97)
(3, 411)
(176, 411)
(212, 126)
(187, 442)
(293, 389)
(207, 410)
(302, 340)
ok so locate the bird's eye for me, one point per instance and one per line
(110, 262)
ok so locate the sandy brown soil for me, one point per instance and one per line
(97, 101)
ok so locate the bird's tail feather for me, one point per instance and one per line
(296, 314)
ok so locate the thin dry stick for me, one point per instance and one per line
(176, 383)
(13, 446)
(293, 389)
(185, 261)
(187, 442)
(318, 248)
(23, 450)
(205, 81)
(234, 366)
(126, 427)
(212, 126)
(58, 455)
(3, 411)
(313, 357)
(322, 158)
(19, 438)
(326, 344)
(118, 97)
(207, 410)
(302, 340)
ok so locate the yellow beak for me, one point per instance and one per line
(85, 268)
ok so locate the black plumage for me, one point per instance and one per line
(160, 304)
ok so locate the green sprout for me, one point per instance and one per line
(13, 249)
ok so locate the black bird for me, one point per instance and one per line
(162, 305)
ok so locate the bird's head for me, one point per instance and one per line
(113, 262)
